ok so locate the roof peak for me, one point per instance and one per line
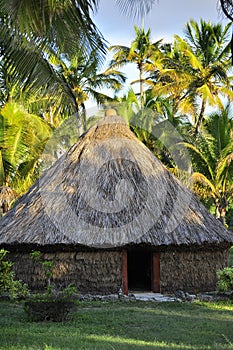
(110, 112)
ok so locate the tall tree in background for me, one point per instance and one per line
(212, 155)
(64, 25)
(196, 73)
(208, 45)
(140, 53)
(32, 31)
(30, 28)
(78, 76)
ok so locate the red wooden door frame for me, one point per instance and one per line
(124, 272)
(155, 272)
(155, 277)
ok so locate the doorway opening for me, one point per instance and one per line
(139, 270)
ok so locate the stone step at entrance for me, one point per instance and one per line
(149, 296)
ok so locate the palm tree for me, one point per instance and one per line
(77, 78)
(65, 25)
(197, 69)
(212, 154)
(154, 126)
(30, 28)
(22, 139)
(209, 43)
(168, 79)
(140, 53)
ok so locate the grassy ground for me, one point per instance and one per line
(122, 326)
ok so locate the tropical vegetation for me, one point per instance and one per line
(22, 139)
(194, 72)
(140, 53)
(211, 152)
(51, 63)
(9, 286)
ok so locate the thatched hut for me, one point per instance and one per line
(110, 215)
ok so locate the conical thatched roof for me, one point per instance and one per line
(109, 190)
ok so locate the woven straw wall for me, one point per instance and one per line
(191, 271)
(89, 272)
(100, 272)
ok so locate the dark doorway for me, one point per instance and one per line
(139, 270)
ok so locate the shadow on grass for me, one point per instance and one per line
(118, 326)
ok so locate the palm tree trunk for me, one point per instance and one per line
(201, 116)
(221, 208)
(84, 117)
(141, 85)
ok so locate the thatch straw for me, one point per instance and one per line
(109, 190)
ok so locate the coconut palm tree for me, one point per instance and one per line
(195, 71)
(65, 25)
(30, 28)
(77, 78)
(212, 155)
(139, 53)
(155, 125)
(168, 79)
(209, 43)
(22, 139)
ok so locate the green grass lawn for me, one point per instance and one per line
(122, 325)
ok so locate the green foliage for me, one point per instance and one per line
(51, 291)
(31, 30)
(22, 140)
(195, 71)
(77, 79)
(140, 53)
(36, 255)
(212, 153)
(225, 280)
(54, 304)
(8, 285)
(48, 310)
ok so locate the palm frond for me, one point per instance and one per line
(199, 177)
(21, 138)
(201, 156)
(135, 8)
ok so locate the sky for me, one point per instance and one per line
(166, 18)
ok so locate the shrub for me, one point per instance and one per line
(48, 310)
(8, 284)
(54, 304)
(225, 280)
